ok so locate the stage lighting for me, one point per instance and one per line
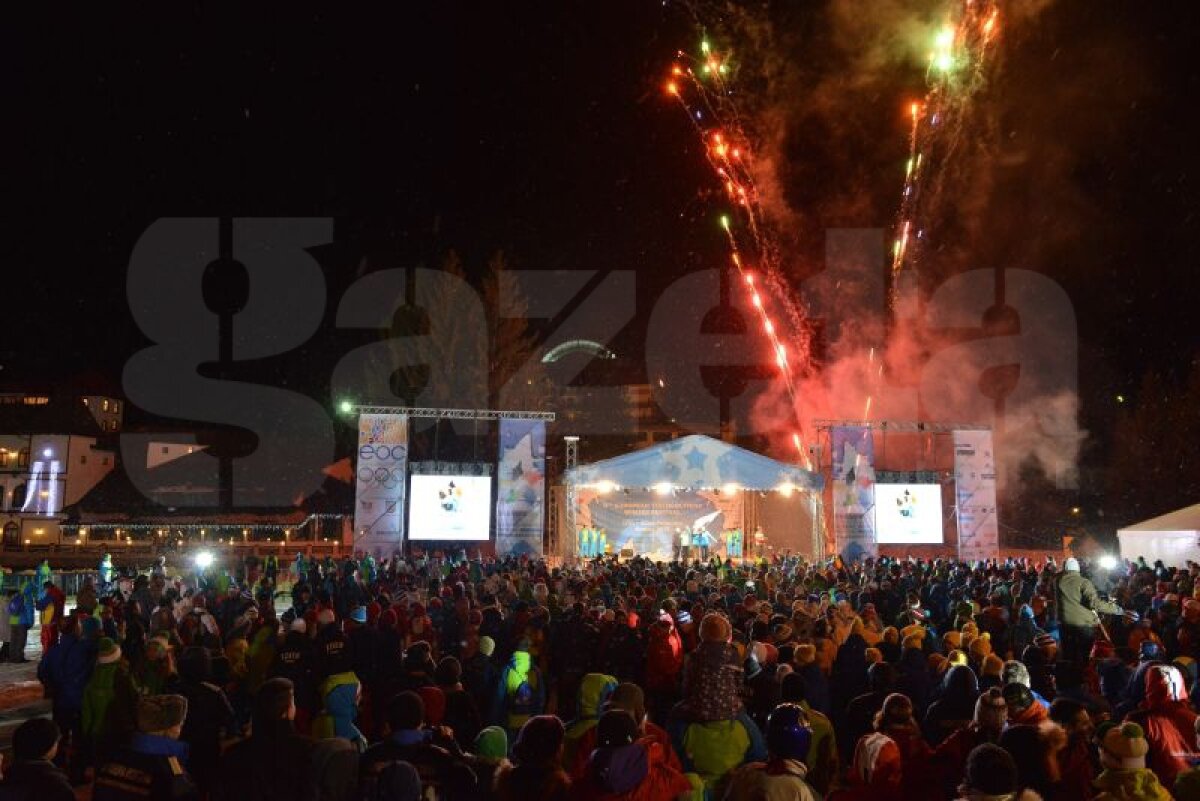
(662, 488)
(204, 560)
(1108, 561)
(785, 489)
(731, 488)
(605, 487)
(346, 407)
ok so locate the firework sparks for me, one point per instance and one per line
(700, 87)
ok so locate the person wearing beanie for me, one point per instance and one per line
(479, 676)
(986, 726)
(536, 771)
(1024, 631)
(713, 675)
(990, 671)
(890, 646)
(488, 756)
(1168, 721)
(154, 763)
(1035, 749)
(874, 656)
(896, 721)
(952, 641)
(1023, 708)
(109, 701)
(625, 765)
(1079, 607)
(784, 774)
(462, 716)
(815, 681)
(32, 773)
(1124, 775)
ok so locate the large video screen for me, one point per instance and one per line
(908, 514)
(450, 508)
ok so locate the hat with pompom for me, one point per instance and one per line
(1124, 747)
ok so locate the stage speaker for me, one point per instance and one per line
(626, 553)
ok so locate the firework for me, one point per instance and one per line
(701, 86)
(957, 62)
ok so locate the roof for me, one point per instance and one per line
(181, 490)
(1185, 519)
(696, 462)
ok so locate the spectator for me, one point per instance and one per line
(627, 766)
(33, 776)
(154, 763)
(784, 773)
(1125, 776)
(535, 772)
(274, 762)
(433, 752)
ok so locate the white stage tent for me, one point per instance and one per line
(1174, 538)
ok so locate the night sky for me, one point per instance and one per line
(540, 129)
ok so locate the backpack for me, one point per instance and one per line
(523, 702)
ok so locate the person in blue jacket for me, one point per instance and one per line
(64, 672)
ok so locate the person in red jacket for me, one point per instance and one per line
(629, 698)
(664, 661)
(1169, 723)
(950, 758)
(624, 767)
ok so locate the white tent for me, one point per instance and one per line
(1174, 538)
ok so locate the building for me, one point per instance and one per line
(57, 442)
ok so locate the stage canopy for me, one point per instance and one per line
(1174, 538)
(696, 462)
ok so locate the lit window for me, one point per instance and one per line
(23, 458)
(36, 400)
(104, 405)
(116, 407)
(87, 402)
(166, 450)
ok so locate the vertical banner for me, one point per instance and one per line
(521, 488)
(853, 492)
(975, 496)
(380, 483)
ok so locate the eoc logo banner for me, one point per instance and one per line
(380, 483)
(521, 488)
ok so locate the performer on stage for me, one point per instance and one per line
(601, 542)
(703, 539)
(760, 542)
(734, 549)
(685, 544)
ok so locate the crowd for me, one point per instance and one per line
(450, 678)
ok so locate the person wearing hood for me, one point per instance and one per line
(340, 694)
(109, 701)
(987, 724)
(479, 675)
(849, 676)
(1168, 722)
(520, 694)
(1125, 777)
(153, 765)
(210, 716)
(1025, 631)
(489, 755)
(896, 720)
(33, 774)
(536, 770)
(913, 679)
(432, 751)
(594, 692)
(1134, 694)
(631, 699)
(274, 762)
(955, 708)
(628, 767)
(861, 711)
(784, 774)
(664, 660)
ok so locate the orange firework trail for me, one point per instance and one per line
(700, 85)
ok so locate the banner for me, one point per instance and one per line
(380, 483)
(521, 488)
(975, 494)
(853, 492)
(648, 523)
